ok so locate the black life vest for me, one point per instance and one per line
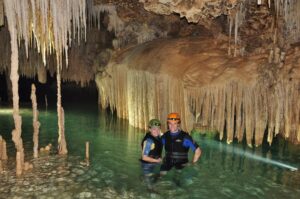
(157, 150)
(175, 151)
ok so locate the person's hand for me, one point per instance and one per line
(158, 160)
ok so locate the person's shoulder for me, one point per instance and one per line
(186, 135)
(149, 140)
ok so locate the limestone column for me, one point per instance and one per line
(62, 145)
(14, 77)
(35, 122)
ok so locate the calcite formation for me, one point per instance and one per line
(1, 13)
(49, 24)
(3, 152)
(35, 123)
(238, 97)
(192, 10)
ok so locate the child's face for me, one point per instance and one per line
(155, 131)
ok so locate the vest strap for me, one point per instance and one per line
(177, 155)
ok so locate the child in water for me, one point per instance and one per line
(151, 151)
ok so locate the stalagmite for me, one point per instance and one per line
(87, 153)
(48, 147)
(35, 122)
(62, 145)
(19, 163)
(3, 152)
(16, 133)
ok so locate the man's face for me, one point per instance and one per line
(155, 131)
(173, 126)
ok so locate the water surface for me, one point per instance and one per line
(224, 171)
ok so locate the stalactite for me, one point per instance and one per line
(1, 13)
(49, 22)
(232, 96)
(236, 16)
(35, 122)
(230, 34)
(1, 167)
(250, 109)
(94, 16)
(42, 74)
(289, 11)
(115, 23)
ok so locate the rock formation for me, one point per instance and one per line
(35, 123)
(49, 24)
(235, 96)
(3, 152)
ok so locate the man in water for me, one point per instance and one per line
(151, 151)
(177, 144)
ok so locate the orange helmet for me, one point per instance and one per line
(173, 117)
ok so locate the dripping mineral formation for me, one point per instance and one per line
(206, 86)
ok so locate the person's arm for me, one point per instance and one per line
(149, 159)
(146, 150)
(190, 143)
(197, 155)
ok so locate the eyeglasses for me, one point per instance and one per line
(155, 124)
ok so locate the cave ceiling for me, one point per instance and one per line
(246, 28)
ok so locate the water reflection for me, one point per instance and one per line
(273, 162)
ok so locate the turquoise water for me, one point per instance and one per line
(224, 171)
